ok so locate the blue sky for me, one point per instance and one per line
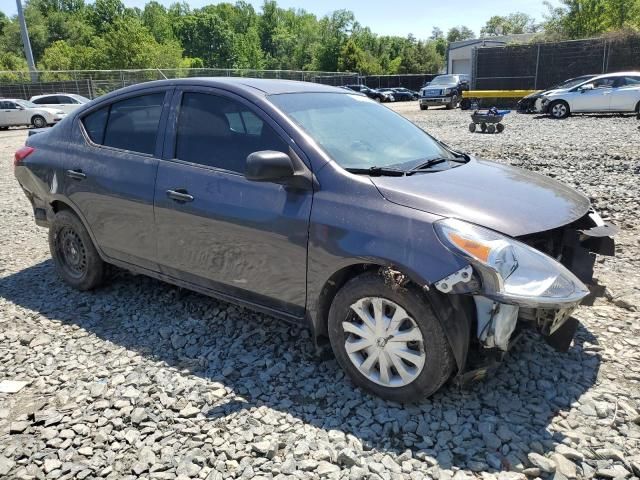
(388, 17)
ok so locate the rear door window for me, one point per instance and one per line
(130, 124)
(220, 132)
(44, 100)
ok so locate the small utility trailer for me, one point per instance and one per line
(489, 121)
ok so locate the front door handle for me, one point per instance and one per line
(76, 174)
(179, 195)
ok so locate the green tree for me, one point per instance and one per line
(459, 33)
(513, 23)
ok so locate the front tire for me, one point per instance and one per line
(453, 103)
(76, 258)
(38, 121)
(424, 107)
(388, 340)
(559, 109)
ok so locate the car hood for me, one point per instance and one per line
(440, 86)
(506, 199)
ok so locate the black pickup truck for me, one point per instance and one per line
(444, 90)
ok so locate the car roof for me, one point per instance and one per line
(618, 74)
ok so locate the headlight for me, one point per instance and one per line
(511, 271)
(447, 91)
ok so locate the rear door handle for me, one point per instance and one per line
(179, 195)
(76, 174)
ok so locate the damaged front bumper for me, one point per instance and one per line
(500, 316)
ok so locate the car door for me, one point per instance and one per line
(215, 228)
(626, 94)
(66, 104)
(13, 114)
(596, 99)
(110, 170)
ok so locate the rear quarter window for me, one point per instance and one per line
(95, 123)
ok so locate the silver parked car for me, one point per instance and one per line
(67, 102)
(16, 112)
(613, 92)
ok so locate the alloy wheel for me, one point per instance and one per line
(384, 342)
(559, 110)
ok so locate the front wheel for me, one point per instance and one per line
(453, 103)
(388, 340)
(38, 121)
(73, 252)
(424, 107)
(559, 109)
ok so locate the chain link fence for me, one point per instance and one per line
(93, 83)
(541, 65)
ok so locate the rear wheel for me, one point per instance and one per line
(73, 252)
(559, 109)
(472, 127)
(38, 121)
(500, 127)
(491, 128)
(483, 127)
(388, 339)
(424, 107)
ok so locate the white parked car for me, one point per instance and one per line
(17, 112)
(67, 102)
(612, 92)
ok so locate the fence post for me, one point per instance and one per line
(535, 82)
(604, 57)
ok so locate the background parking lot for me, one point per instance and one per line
(141, 379)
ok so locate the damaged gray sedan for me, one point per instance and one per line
(415, 262)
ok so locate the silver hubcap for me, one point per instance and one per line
(559, 110)
(384, 342)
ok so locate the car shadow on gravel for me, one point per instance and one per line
(490, 426)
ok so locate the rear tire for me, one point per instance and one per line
(472, 127)
(76, 258)
(424, 107)
(491, 128)
(38, 121)
(559, 109)
(500, 127)
(415, 367)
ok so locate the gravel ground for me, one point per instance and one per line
(143, 380)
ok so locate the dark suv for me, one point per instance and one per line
(316, 205)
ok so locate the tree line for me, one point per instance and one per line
(105, 34)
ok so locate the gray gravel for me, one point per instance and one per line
(143, 380)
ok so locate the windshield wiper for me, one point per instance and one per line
(376, 171)
(427, 165)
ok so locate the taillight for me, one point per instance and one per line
(21, 154)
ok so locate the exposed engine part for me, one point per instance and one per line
(496, 322)
(463, 275)
(394, 278)
(549, 321)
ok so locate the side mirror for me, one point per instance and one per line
(278, 167)
(269, 166)
(19, 107)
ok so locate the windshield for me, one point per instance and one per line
(442, 79)
(573, 83)
(26, 104)
(357, 132)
